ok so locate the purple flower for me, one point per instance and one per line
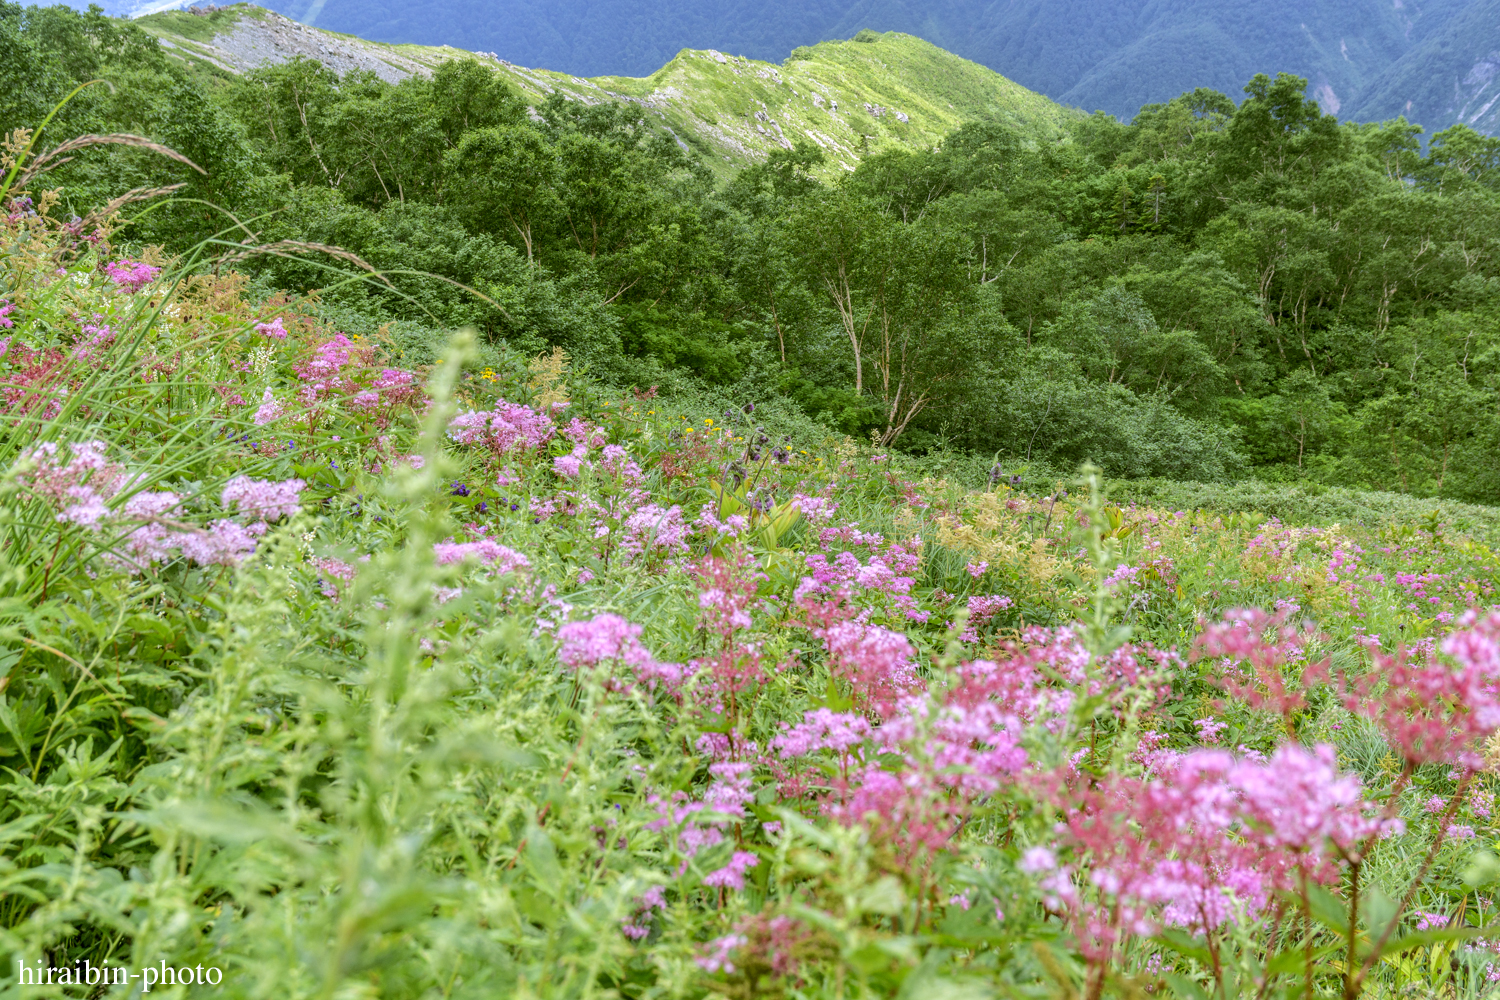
(131, 276)
(273, 329)
(269, 410)
(732, 875)
(489, 552)
(225, 543)
(263, 499)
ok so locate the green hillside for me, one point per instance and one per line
(850, 98)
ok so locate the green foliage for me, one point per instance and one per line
(1210, 292)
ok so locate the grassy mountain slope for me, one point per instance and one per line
(1363, 58)
(849, 97)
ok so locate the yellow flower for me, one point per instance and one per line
(690, 430)
(709, 421)
(650, 413)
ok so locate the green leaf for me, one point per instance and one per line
(1424, 939)
(1328, 909)
(1185, 944)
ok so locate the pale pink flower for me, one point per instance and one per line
(224, 543)
(1209, 730)
(263, 499)
(653, 529)
(487, 551)
(875, 661)
(822, 729)
(268, 411)
(603, 637)
(507, 428)
(732, 875)
(274, 329)
(717, 957)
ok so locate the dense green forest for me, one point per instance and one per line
(1214, 291)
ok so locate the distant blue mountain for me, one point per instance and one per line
(1437, 61)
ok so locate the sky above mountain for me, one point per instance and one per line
(1437, 61)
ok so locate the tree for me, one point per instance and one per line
(923, 333)
(1303, 411)
(841, 246)
(505, 177)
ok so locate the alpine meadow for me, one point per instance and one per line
(838, 529)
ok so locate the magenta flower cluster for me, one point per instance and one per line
(131, 276)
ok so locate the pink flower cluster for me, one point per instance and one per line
(332, 574)
(96, 339)
(876, 663)
(262, 499)
(131, 276)
(487, 551)
(817, 510)
(608, 638)
(392, 387)
(507, 428)
(982, 610)
(1253, 650)
(637, 928)
(823, 729)
(1429, 710)
(273, 330)
(836, 588)
(695, 825)
(269, 410)
(1199, 843)
(83, 487)
(654, 530)
(328, 360)
(726, 591)
(78, 487)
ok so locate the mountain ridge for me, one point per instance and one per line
(1437, 62)
(1366, 59)
(850, 98)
